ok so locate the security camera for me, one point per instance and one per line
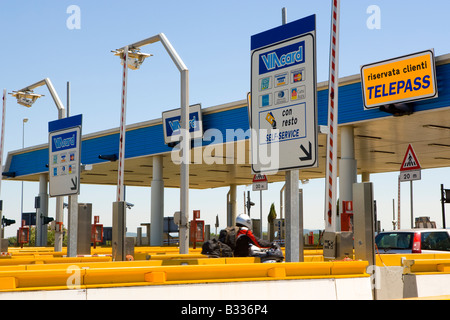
(26, 99)
(129, 205)
(135, 57)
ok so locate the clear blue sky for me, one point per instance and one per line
(213, 39)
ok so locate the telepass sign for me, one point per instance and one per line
(403, 79)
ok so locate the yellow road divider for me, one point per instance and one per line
(442, 298)
(49, 260)
(427, 266)
(396, 259)
(143, 273)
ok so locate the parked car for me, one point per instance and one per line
(414, 241)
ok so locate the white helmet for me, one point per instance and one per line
(244, 220)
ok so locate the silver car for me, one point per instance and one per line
(413, 241)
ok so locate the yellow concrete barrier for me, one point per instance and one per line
(50, 260)
(445, 297)
(221, 273)
(8, 283)
(427, 266)
(31, 251)
(169, 256)
(391, 260)
(138, 273)
(94, 265)
(36, 279)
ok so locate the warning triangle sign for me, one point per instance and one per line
(260, 178)
(410, 162)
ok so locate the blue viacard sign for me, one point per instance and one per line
(172, 124)
(282, 58)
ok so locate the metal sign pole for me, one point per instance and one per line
(293, 233)
(261, 214)
(72, 246)
(3, 137)
(393, 214)
(59, 217)
(412, 208)
(398, 205)
(120, 177)
(119, 208)
(184, 176)
(443, 201)
(1, 155)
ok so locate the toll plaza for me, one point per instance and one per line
(375, 150)
(346, 268)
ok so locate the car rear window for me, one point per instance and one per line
(435, 241)
(394, 240)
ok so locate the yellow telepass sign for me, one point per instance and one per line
(403, 79)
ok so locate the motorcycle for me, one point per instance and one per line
(271, 255)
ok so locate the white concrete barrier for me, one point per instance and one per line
(306, 289)
(426, 285)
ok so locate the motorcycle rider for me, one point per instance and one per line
(245, 237)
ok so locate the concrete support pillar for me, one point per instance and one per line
(347, 167)
(293, 233)
(72, 244)
(42, 211)
(59, 218)
(119, 222)
(231, 219)
(157, 205)
(365, 177)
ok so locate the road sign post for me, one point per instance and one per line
(284, 99)
(283, 111)
(260, 183)
(65, 169)
(410, 170)
(445, 198)
(64, 156)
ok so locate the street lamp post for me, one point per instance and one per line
(185, 135)
(29, 91)
(27, 97)
(25, 120)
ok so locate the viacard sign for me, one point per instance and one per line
(404, 79)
